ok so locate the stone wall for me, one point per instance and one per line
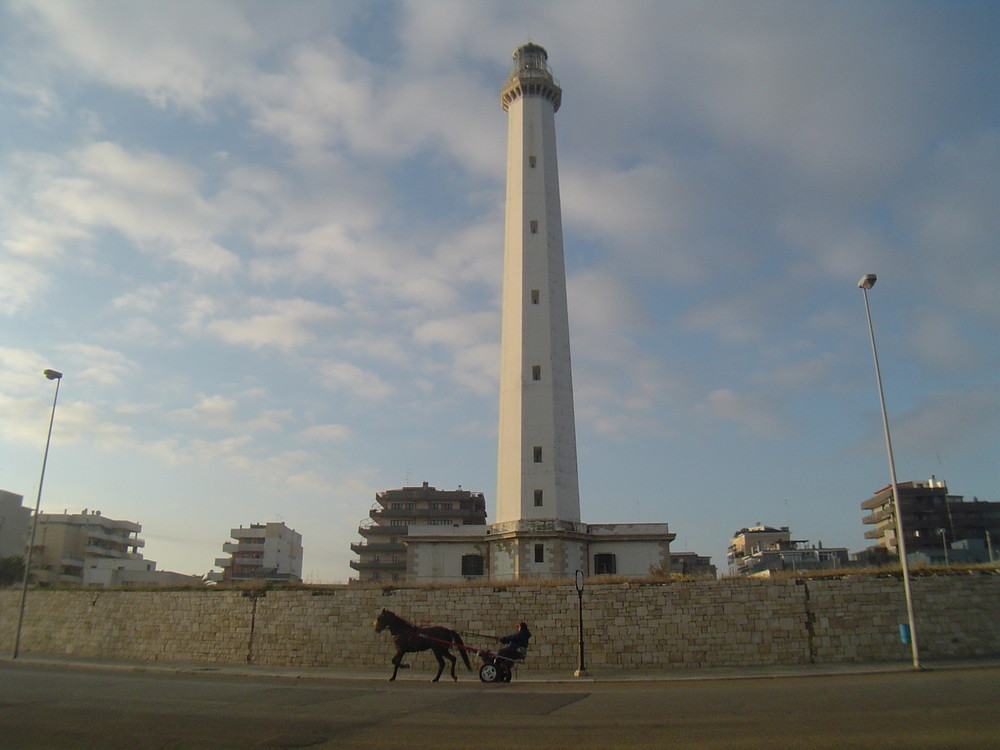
(732, 622)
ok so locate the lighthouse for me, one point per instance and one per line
(536, 452)
(536, 531)
(538, 494)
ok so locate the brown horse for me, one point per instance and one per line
(409, 638)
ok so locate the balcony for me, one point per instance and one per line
(362, 547)
(461, 514)
(115, 537)
(97, 550)
(378, 565)
(878, 516)
(367, 531)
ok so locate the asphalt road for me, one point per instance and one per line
(68, 708)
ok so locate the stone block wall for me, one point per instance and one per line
(732, 622)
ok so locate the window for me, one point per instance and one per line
(534, 226)
(539, 553)
(534, 296)
(536, 372)
(538, 498)
(473, 565)
(439, 522)
(605, 564)
(532, 162)
(538, 454)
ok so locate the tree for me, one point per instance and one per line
(11, 570)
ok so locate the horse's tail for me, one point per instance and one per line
(457, 640)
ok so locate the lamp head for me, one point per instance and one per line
(52, 374)
(867, 281)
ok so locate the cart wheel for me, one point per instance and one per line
(506, 674)
(489, 673)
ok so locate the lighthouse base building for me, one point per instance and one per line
(542, 549)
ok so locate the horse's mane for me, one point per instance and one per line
(395, 621)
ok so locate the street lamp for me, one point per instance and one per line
(866, 283)
(56, 376)
(944, 545)
(582, 671)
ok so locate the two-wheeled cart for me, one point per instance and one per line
(497, 668)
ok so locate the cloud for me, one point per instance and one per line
(946, 421)
(754, 414)
(220, 413)
(152, 200)
(25, 422)
(355, 381)
(282, 324)
(100, 365)
(169, 60)
(459, 331)
(327, 433)
(20, 285)
(739, 318)
(602, 311)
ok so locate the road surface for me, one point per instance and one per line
(68, 708)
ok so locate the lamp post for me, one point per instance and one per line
(56, 376)
(582, 671)
(944, 545)
(866, 283)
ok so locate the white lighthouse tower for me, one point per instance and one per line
(537, 485)
(536, 456)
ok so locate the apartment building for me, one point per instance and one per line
(763, 549)
(83, 548)
(15, 524)
(939, 527)
(382, 556)
(261, 552)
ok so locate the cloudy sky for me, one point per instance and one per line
(263, 242)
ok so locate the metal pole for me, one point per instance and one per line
(57, 376)
(582, 671)
(900, 540)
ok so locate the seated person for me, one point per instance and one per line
(516, 643)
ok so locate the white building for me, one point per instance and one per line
(262, 551)
(538, 531)
(15, 523)
(760, 549)
(68, 545)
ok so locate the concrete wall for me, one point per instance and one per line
(730, 622)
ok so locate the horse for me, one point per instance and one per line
(409, 638)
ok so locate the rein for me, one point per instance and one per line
(480, 635)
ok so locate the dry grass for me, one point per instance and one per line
(249, 587)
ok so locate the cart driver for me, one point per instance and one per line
(515, 644)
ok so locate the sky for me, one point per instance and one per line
(263, 242)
